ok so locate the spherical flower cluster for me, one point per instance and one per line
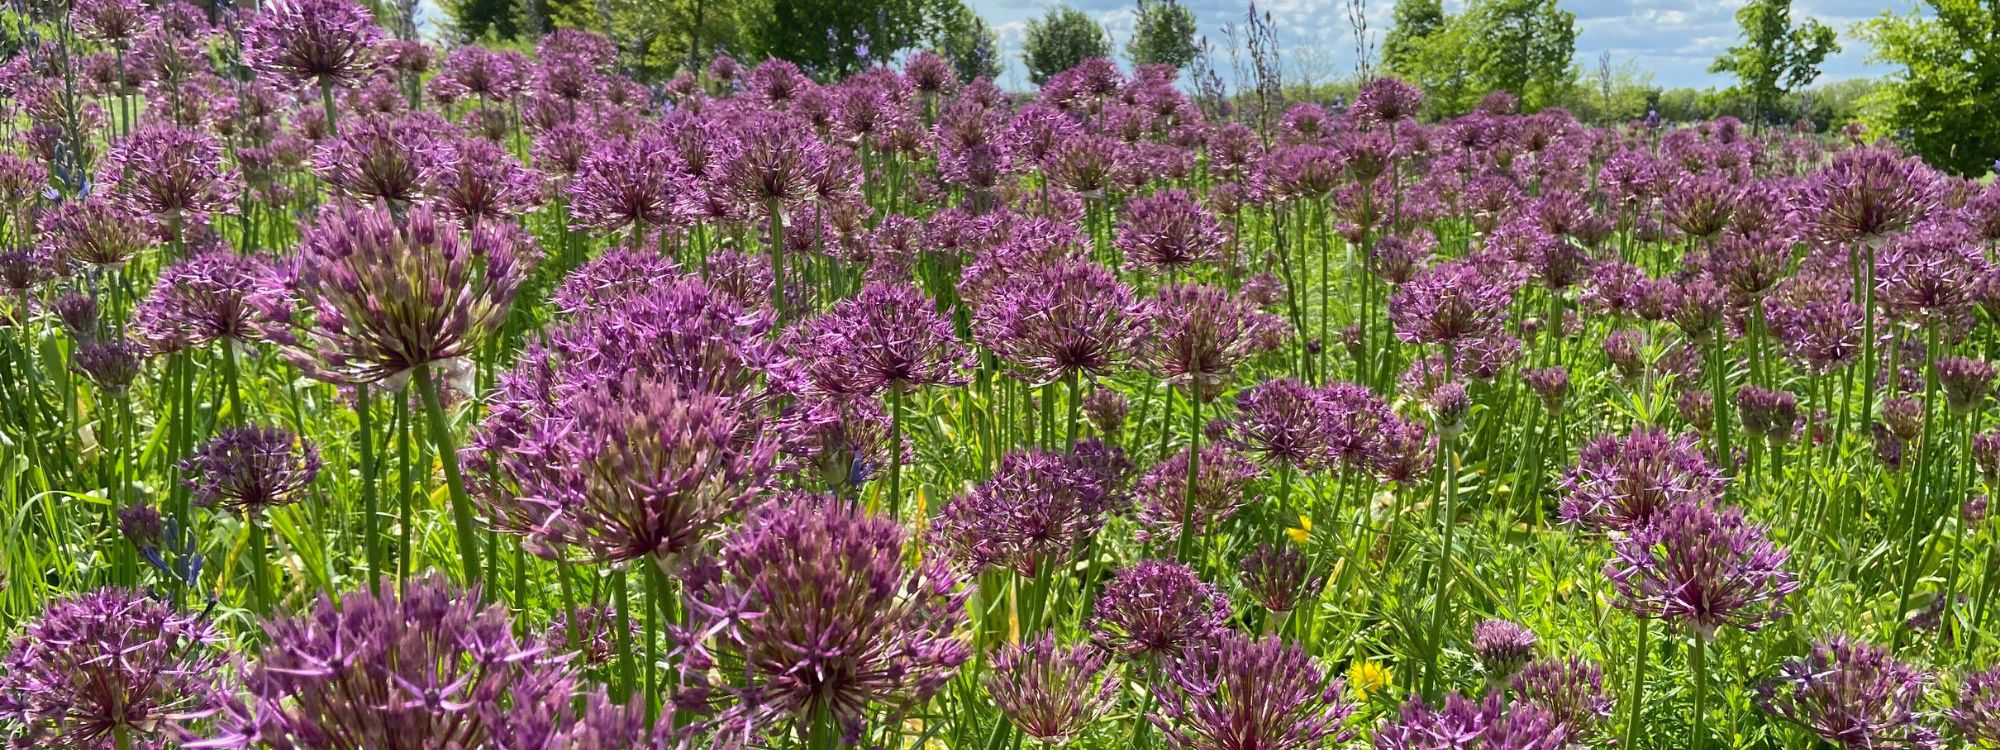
(1201, 333)
(1571, 690)
(1967, 382)
(1069, 317)
(480, 181)
(1049, 692)
(1866, 193)
(1624, 484)
(379, 297)
(201, 300)
(628, 182)
(1502, 647)
(1236, 692)
(250, 470)
(94, 231)
(1852, 694)
(393, 159)
(1032, 515)
(1168, 231)
(172, 174)
(1157, 609)
(889, 336)
(1279, 421)
(1700, 569)
(1221, 482)
(827, 622)
(111, 668)
(1451, 304)
(1768, 414)
(324, 42)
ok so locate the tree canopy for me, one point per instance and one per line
(1058, 41)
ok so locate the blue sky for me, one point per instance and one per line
(1673, 39)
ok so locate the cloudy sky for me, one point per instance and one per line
(1673, 39)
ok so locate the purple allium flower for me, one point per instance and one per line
(635, 468)
(1463, 724)
(1928, 274)
(1976, 712)
(1278, 577)
(1086, 164)
(1386, 100)
(472, 70)
(1221, 481)
(95, 231)
(1449, 403)
(113, 22)
(1904, 416)
(1168, 231)
(425, 669)
(111, 365)
(1571, 690)
(1702, 568)
(1867, 193)
(1052, 693)
(1851, 694)
(201, 300)
(628, 182)
(1888, 447)
(326, 42)
(171, 173)
(614, 279)
(111, 668)
(22, 271)
(248, 470)
(1549, 383)
(1396, 258)
(1235, 693)
(480, 181)
(1986, 455)
(1696, 307)
(1030, 517)
(1820, 335)
(890, 335)
(1201, 333)
(1966, 381)
(1451, 304)
(1158, 609)
(395, 159)
(1502, 647)
(1768, 414)
(1279, 420)
(1625, 484)
(1699, 204)
(386, 297)
(1106, 409)
(1069, 317)
(78, 314)
(777, 164)
(817, 606)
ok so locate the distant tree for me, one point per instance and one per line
(1415, 21)
(1942, 100)
(1163, 32)
(1060, 40)
(970, 45)
(835, 39)
(1776, 56)
(1524, 47)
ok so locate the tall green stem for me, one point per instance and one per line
(896, 450)
(1698, 665)
(1184, 551)
(447, 454)
(1638, 697)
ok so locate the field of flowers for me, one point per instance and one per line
(360, 394)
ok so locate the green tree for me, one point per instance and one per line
(835, 39)
(1523, 47)
(1948, 87)
(1415, 22)
(1163, 32)
(1437, 61)
(1060, 40)
(1776, 56)
(970, 45)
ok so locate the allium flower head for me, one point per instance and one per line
(1768, 414)
(1571, 690)
(1280, 421)
(1031, 516)
(827, 620)
(113, 22)
(1221, 482)
(251, 469)
(1236, 693)
(1851, 694)
(1625, 484)
(1699, 204)
(472, 70)
(425, 669)
(106, 663)
(1976, 712)
(890, 335)
(1966, 381)
(1386, 100)
(1451, 303)
(1928, 273)
(480, 181)
(382, 298)
(1278, 577)
(629, 182)
(95, 231)
(1068, 317)
(1867, 193)
(390, 158)
(1201, 333)
(1551, 384)
(1503, 647)
(1168, 231)
(779, 162)
(1106, 409)
(635, 469)
(1049, 692)
(111, 365)
(203, 299)
(324, 42)
(172, 173)
(1701, 568)
(1158, 609)
(1464, 724)
(596, 631)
